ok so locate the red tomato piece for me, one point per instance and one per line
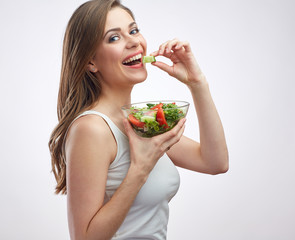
(134, 121)
(161, 118)
(160, 105)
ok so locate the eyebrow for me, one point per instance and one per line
(118, 29)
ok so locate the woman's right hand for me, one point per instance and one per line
(145, 152)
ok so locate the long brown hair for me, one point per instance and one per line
(79, 88)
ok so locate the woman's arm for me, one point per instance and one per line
(90, 148)
(211, 154)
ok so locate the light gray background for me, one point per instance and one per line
(245, 48)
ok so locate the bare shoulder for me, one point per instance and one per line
(90, 148)
(90, 135)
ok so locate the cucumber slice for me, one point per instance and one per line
(148, 59)
(147, 118)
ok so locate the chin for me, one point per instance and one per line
(138, 77)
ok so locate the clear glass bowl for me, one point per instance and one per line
(152, 118)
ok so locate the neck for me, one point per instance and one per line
(112, 99)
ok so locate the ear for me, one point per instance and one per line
(91, 67)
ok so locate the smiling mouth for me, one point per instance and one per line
(133, 60)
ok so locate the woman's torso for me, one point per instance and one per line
(148, 216)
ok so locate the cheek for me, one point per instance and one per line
(143, 42)
(108, 58)
(113, 55)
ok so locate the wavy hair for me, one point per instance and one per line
(79, 88)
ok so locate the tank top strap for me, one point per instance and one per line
(119, 136)
(116, 131)
(121, 139)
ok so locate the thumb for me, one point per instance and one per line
(163, 66)
(128, 129)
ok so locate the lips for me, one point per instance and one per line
(133, 59)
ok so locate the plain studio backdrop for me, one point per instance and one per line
(245, 48)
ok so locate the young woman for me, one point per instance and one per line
(118, 184)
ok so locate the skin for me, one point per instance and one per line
(91, 147)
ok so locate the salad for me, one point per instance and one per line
(154, 119)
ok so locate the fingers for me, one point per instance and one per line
(175, 139)
(185, 45)
(176, 135)
(173, 136)
(166, 49)
(163, 66)
(171, 46)
(128, 129)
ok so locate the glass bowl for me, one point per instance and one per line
(152, 118)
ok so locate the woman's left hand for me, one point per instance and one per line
(185, 67)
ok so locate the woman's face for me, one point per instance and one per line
(118, 57)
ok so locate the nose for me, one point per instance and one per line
(132, 42)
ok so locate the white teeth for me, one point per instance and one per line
(133, 58)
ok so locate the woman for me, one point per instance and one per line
(118, 184)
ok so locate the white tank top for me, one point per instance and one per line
(148, 216)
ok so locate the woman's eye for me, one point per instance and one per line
(113, 38)
(134, 31)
